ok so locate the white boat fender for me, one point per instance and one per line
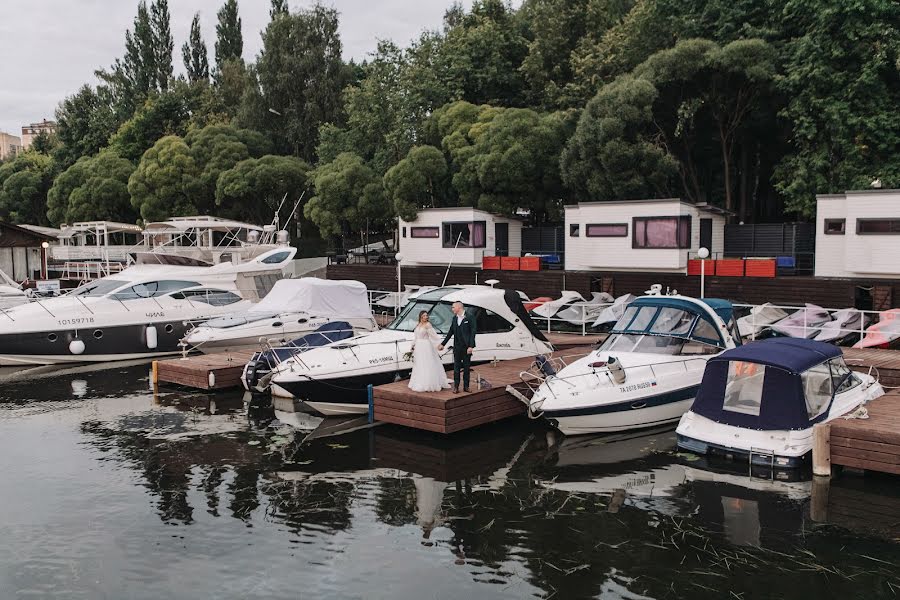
(151, 337)
(76, 346)
(616, 371)
(211, 378)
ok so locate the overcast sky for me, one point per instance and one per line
(49, 48)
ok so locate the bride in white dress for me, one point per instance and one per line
(428, 373)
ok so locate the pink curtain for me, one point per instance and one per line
(662, 233)
(476, 235)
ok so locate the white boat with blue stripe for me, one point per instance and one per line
(646, 373)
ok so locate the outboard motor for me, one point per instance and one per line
(616, 371)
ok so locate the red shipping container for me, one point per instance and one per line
(760, 267)
(490, 263)
(730, 267)
(530, 263)
(694, 267)
(509, 263)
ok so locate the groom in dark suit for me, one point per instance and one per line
(462, 330)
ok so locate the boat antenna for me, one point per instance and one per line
(452, 254)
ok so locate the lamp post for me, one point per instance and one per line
(44, 247)
(703, 253)
(398, 257)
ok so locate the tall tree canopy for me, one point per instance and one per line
(254, 188)
(163, 43)
(349, 195)
(94, 188)
(24, 182)
(193, 52)
(166, 181)
(229, 39)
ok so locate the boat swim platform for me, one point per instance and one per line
(208, 372)
(449, 412)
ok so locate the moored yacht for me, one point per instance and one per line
(140, 312)
(647, 371)
(762, 400)
(333, 379)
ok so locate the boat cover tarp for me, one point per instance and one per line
(759, 317)
(326, 334)
(885, 331)
(804, 323)
(843, 323)
(723, 308)
(611, 313)
(783, 403)
(345, 299)
(549, 309)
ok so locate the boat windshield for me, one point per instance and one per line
(439, 314)
(657, 344)
(101, 287)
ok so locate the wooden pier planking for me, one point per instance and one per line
(446, 412)
(194, 371)
(871, 444)
(886, 363)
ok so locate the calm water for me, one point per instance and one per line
(111, 492)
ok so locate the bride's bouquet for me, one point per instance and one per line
(408, 356)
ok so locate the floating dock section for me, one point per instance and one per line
(208, 372)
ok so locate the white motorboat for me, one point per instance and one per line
(760, 318)
(805, 323)
(584, 313)
(293, 308)
(647, 371)
(612, 313)
(333, 379)
(846, 326)
(140, 312)
(763, 399)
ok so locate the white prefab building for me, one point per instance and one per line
(858, 234)
(461, 235)
(641, 235)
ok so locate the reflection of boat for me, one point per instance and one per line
(647, 371)
(333, 379)
(584, 313)
(802, 324)
(762, 400)
(759, 318)
(613, 447)
(884, 333)
(136, 313)
(292, 308)
(844, 327)
(612, 313)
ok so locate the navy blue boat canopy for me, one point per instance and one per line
(328, 333)
(774, 384)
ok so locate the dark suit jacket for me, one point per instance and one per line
(463, 335)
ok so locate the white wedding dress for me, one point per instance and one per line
(428, 373)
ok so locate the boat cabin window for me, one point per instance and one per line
(276, 258)
(101, 287)
(208, 296)
(153, 289)
(440, 315)
(842, 377)
(656, 344)
(706, 330)
(487, 321)
(817, 387)
(673, 320)
(744, 387)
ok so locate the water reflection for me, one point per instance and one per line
(508, 510)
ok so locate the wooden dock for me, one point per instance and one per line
(446, 412)
(871, 444)
(886, 363)
(218, 371)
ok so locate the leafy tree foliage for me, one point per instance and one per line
(94, 188)
(44, 143)
(163, 44)
(84, 120)
(24, 182)
(254, 188)
(193, 52)
(229, 39)
(349, 196)
(418, 181)
(166, 181)
(161, 115)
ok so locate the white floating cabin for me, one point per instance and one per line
(641, 235)
(858, 234)
(431, 238)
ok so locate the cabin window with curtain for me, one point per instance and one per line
(835, 226)
(471, 234)
(661, 232)
(606, 230)
(574, 230)
(877, 226)
(744, 387)
(424, 232)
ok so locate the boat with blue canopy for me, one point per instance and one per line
(761, 400)
(646, 373)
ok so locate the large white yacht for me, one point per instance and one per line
(140, 312)
(646, 373)
(332, 379)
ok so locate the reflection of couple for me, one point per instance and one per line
(428, 370)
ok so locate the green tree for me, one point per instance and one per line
(842, 84)
(279, 8)
(163, 43)
(44, 143)
(94, 188)
(229, 39)
(254, 188)
(85, 120)
(24, 182)
(166, 181)
(418, 181)
(349, 196)
(131, 78)
(196, 63)
(161, 115)
(301, 76)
